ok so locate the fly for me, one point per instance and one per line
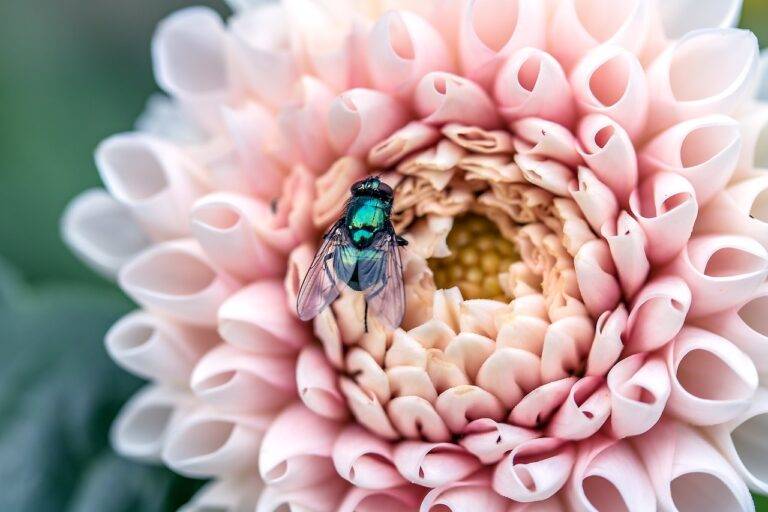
(361, 251)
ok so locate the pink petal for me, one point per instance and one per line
(548, 174)
(639, 388)
(406, 140)
(416, 418)
(465, 496)
(299, 261)
(433, 464)
(548, 139)
(401, 499)
(510, 373)
(442, 98)
(460, 405)
(537, 406)
(367, 409)
(739, 210)
(584, 411)
(566, 343)
(595, 272)
(658, 313)
(365, 460)
(296, 451)
(607, 345)
(411, 381)
(596, 201)
(489, 441)
(712, 380)
(323, 497)
(543, 470)
(533, 84)
(627, 242)
(361, 118)
(317, 384)
(257, 318)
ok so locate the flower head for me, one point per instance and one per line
(580, 186)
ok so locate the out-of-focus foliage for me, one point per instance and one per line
(755, 18)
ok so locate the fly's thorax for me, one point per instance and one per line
(365, 217)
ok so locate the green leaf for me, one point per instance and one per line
(59, 393)
(761, 503)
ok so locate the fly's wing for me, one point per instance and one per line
(331, 265)
(381, 277)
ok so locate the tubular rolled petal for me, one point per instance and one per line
(223, 223)
(153, 179)
(409, 139)
(462, 404)
(231, 494)
(584, 411)
(297, 448)
(360, 118)
(627, 243)
(141, 428)
(687, 473)
(177, 279)
(721, 271)
(510, 373)
(257, 318)
(595, 199)
(609, 153)
(465, 496)
(365, 459)
(535, 470)
(441, 98)
(102, 231)
(682, 16)
(610, 81)
(704, 150)
(489, 441)
(658, 313)
(317, 385)
(708, 71)
(752, 126)
(433, 464)
(402, 498)
(492, 30)
(639, 387)
(403, 47)
(740, 209)
(538, 406)
(416, 418)
(596, 275)
(712, 380)
(608, 343)
(579, 26)
(548, 140)
(158, 349)
(367, 409)
(207, 443)
(533, 84)
(548, 174)
(566, 342)
(666, 207)
(325, 496)
(236, 380)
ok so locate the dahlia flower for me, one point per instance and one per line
(580, 183)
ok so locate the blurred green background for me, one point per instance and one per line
(71, 73)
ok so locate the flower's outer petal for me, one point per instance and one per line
(403, 47)
(491, 30)
(296, 451)
(230, 494)
(687, 473)
(607, 346)
(533, 84)
(101, 231)
(193, 61)
(548, 139)
(639, 388)
(223, 224)
(627, 242)
(544, 173)
(721, 271)
(268, 64)
(365, 459)
(401, 499)
(609, 153)
(208, 443)
(712, 380)
(740, 441)
(658, 313)
(141, 428)
(610, 80)
(441, 98)
(474, 493)
(752, 125)
(409, 139)
(317, 384)
(584, 411)
(703, 150)
(153, 179)
(707, 71)
(595, 199)
(608, 475)
(538, 405)
(682, 16)
(545, 467)
(596, 275)
(155, 348)
(745, 326)
(489, 441)
(239, 381)
(579, 26)
(433, 464)
(360, 118)
(325, 496)
(303, 124)
(367, 409)
(566, 342)
(740, 209)
(257, 318)
(177, 279)
(665, 206)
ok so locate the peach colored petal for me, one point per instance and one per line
(639, 388)
(332, 189)
(595, 272)
(367, 410)
(534, 470)
(317, 385)
(416, 418)
(257, 318)
(712, 380)
(368, 374)
(297, 447)
(412, 137)
(469, 351)
(477, 140)
(433, 464)
(411, 381)
(489, 441)
(462, 404)
(657, 313)
(365, 460)
(566, 343)
(510, 373)
(442, 98)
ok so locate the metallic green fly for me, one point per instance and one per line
(360, 250)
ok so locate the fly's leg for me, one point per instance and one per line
(365, 321)
(401, 241)
(378, 290)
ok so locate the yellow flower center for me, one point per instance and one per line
(479, 254)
